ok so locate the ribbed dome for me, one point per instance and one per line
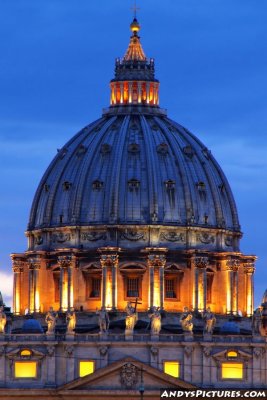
(134, 169)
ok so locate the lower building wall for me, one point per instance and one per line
(200, 359)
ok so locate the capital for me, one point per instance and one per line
(232, 265)
(201, 262)
(156, 260)
(34, 263)
(64, 261)
(249, 268)
(109, 260)
(17, 266)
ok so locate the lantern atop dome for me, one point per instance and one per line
(134, 82)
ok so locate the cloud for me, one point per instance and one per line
(6, 287)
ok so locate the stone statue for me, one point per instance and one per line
(209, 320)
(103, 319)
(51, 320)
(155, 320)
(2, 320)
(186, 320)
(71, 321)
(257, 321)
(131, 317)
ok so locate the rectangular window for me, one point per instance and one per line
(86, 368)
(232, 371)
(25, 369)
(209, 287)
(56, 286)
(133, 287)
(170, 288)
(93, 287)
(172, 368)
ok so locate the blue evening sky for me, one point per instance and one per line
(56, 60)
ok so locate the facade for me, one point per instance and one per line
(133, 278)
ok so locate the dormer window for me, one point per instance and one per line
(66, 185)
(201, 186)
(170, 184)
(81, 150)
(105, 148)
(133, 184)
(188, 151)
(97, 185)
(134, 148)
(162, 148)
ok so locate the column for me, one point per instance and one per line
(70, 287)
(130, 92)
(196, 289)
(61, 279)
(156, 265)
(151, 284)
(249, 271)
(66, 282)
(154, 93)
(115, 93)
(109, 260)
(121, 93)
(104, 286)
(161, 282)
(201, 264)
(34, 264)
(114, 285)
(111, 94)
(147, 93)
(139, 86)
(232, 289)
(17, 271)
(36, 273)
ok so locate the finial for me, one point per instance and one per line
(135, 26)
(135, 9)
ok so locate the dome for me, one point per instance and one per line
(134, 166)
(32, 326)
(230, 327)
(134, 169)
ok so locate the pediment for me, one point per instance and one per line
(222, 355)
(17, 354)
(125, 375)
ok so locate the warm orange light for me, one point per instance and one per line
(172, 368)
(25, 369)
(109, 290)
(86, 368)
(232, 354)
(156, 289)
(25, 353)
(232, 371)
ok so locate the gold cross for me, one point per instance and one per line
(135, 9)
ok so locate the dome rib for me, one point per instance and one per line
(83, 190)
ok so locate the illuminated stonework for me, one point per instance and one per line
(134, 214)
(134, 81)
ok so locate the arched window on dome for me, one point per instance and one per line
(132, 277)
